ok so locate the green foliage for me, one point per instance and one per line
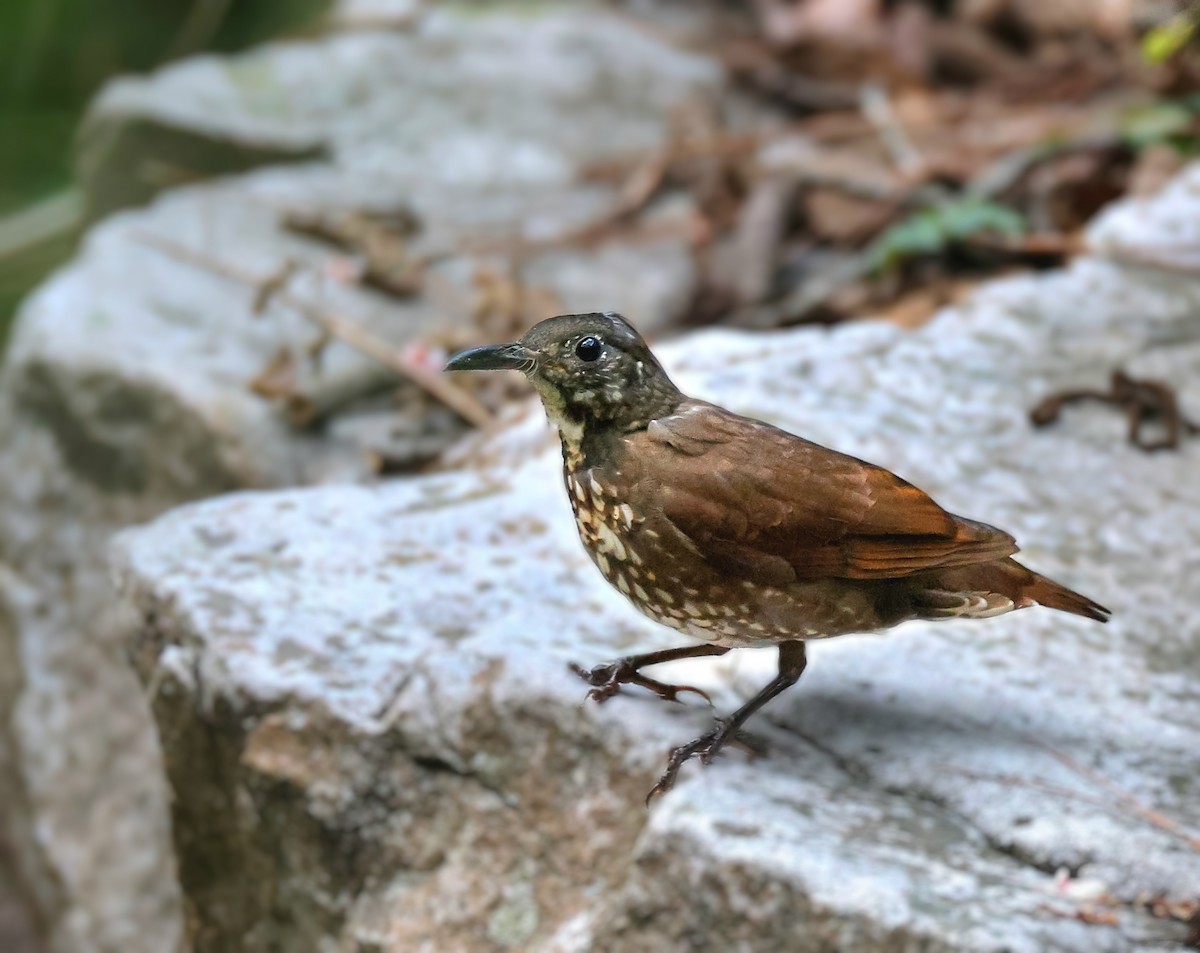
(54, 54)
(933, 230)
(1167, 39)
(1169, 121)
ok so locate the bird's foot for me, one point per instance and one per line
(706, 747)
(608, 678)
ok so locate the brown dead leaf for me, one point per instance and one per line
(787, 22)
(1153, 168)
(1086, 914)
(1096, 916)
(504, 305)
(377, 242)
(277, 380)
(835, 216)
(1065, 192)
(917, 307)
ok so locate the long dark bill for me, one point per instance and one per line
(493, 357)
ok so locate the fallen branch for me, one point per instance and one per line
(336, 326)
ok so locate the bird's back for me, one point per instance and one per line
(784, 538)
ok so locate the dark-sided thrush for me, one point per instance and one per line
(739, 534)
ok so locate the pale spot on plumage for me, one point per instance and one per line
(640, 592)
(609, 542)
(662, 594)
(623, 584)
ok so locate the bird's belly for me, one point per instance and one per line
(670, 582)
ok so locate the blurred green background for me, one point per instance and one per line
(54, 55)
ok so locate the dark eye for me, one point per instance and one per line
(588, 349)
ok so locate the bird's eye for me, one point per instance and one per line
(588, 349)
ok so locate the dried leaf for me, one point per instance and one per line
(277, 380)
(1155, 166)
(835, 216)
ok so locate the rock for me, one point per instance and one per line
(126, 387)
(374, 743)
(17, 931)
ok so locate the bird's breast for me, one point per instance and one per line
(642, 556)
(636, 556)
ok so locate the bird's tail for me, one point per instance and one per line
(1047, 592)
(1024, 587)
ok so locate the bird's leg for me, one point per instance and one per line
(608, 678)
(791, 665)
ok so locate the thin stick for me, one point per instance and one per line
(877, 109)
(337, 326)
(1124, 797)
(1146, 258)
(1125, 804)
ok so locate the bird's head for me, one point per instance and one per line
(590, 370)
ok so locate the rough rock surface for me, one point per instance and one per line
(373, 741)
(125, 390)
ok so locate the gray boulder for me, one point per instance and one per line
(125, 390)
(373, 741)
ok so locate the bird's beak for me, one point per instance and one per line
(493, 357)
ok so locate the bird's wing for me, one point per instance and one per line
(766, 505)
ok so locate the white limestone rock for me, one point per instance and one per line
(126, 386)
(371, 733)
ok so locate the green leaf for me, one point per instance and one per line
(931, 231)
(1167, 39)
(1159, 122)
(971, 216)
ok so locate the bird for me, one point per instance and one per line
(738, 534)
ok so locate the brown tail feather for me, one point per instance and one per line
(1047, 592)
(1024, 586)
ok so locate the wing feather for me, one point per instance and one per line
(767, 505)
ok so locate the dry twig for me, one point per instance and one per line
(1124, 798)
(1143, 400)
(336, 326)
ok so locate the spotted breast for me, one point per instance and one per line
(679, 591)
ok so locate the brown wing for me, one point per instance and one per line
(767, 505)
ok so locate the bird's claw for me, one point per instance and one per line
(608, 678)
(605, 679)
(706, 747)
